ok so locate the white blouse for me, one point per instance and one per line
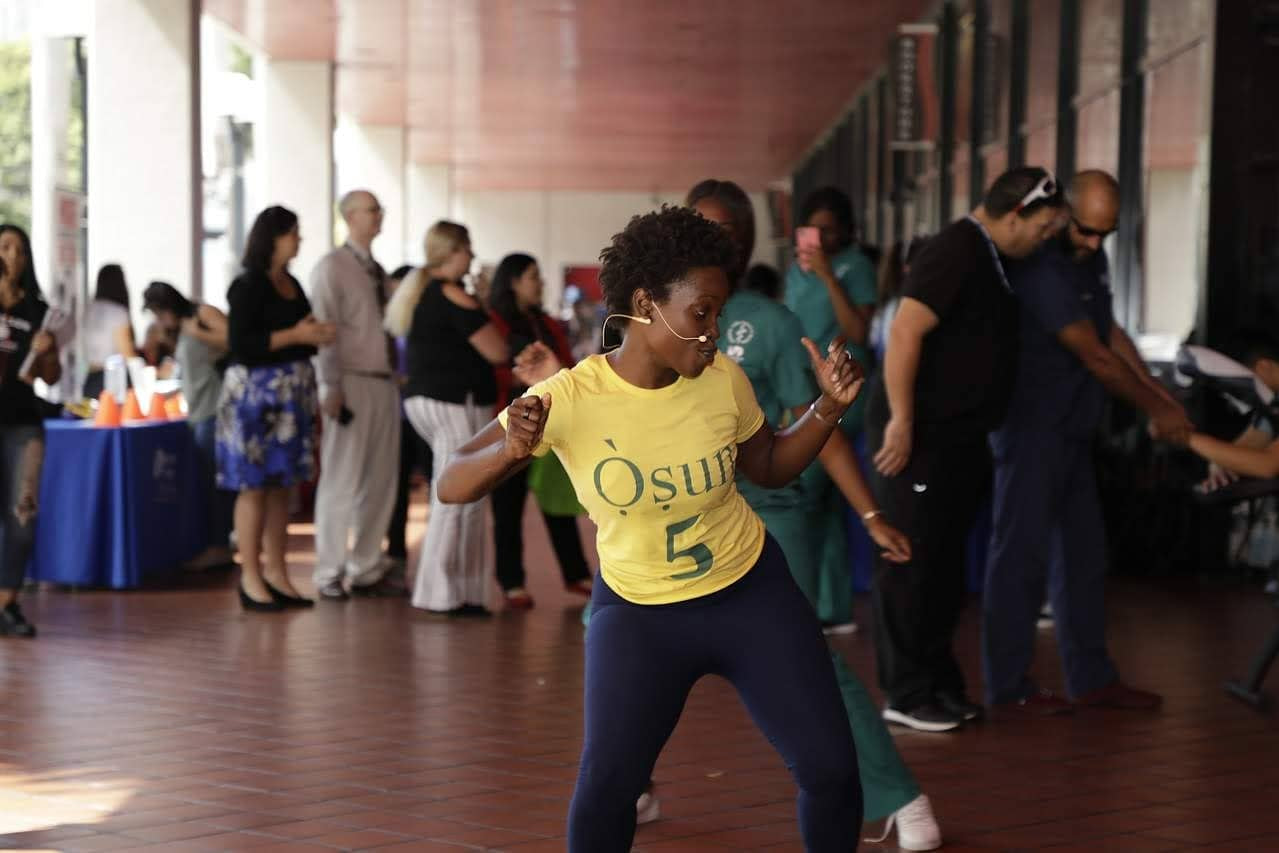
(100, 324)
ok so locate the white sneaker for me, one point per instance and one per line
(834, 629)
(648, 808)
(1046, 619)
(917, 829)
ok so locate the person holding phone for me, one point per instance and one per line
(267, 411)
(453, 348)
(360, 399)
(690, 582)
(831, 289)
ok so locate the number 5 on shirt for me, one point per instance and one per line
(699, 553)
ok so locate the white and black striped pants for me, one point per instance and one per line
(455, 563)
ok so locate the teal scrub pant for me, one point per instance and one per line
(887, 783)
(818, 550)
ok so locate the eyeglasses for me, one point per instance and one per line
(1046, 188)
(1085, 231)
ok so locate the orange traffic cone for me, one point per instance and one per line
(157, 412)
(132, 411)
(108, 411)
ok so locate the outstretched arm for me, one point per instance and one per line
(772, 459)
(495, 453)
(840, 462)
(1249, 461)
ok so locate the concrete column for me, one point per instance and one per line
(50, 107)
(373, 158)
(52, 28)
(429, 190)
(295, 152)
(145, 200)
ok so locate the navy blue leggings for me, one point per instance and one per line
(762, 636)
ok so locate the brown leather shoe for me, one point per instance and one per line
(1041, 703)
(1121, 696)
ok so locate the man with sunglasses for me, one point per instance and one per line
(1048, 529)
(948, 373)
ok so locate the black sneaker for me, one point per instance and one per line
(473, 611)
(924, 718)
(13, 623)
(958, 705)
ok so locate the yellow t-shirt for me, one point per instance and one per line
(654, 469)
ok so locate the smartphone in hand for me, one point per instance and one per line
(806, 237)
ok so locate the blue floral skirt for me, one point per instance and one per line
(266, 426)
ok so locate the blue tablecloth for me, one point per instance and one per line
(118, 507)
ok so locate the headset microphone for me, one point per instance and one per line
(647, 321)
(700, 338)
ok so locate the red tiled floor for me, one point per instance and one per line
(170, 720)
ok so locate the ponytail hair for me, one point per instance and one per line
(399, 310)
(442, 240)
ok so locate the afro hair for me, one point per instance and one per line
(657, 250)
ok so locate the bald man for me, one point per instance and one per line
(1048, 529)
(359, 451)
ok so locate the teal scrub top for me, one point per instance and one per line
(806, 296)
(763, 337)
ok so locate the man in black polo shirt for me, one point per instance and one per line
(948, 374)
(1048, 534)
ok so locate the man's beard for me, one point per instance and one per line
(1078, 253)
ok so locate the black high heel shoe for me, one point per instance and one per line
(285, 600)
(255, 606)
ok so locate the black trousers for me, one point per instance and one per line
(934, 501)
(414, 452)
(508, 524)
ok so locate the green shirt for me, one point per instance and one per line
(763, 337)
(808, 298)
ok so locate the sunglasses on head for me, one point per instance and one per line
(1085, 231)
(1045, 188)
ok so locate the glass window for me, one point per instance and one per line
(874, 140)
(1100, 53)
(1098, 133)
(996, 163)
(1176, 142)
(959, 198)
(1041, 147)
(925, 203)
(995, 98)
(1041, 95)
(965, 83)
(1173, 24)
(999, 41)
(1101, 26)
(965, 30)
